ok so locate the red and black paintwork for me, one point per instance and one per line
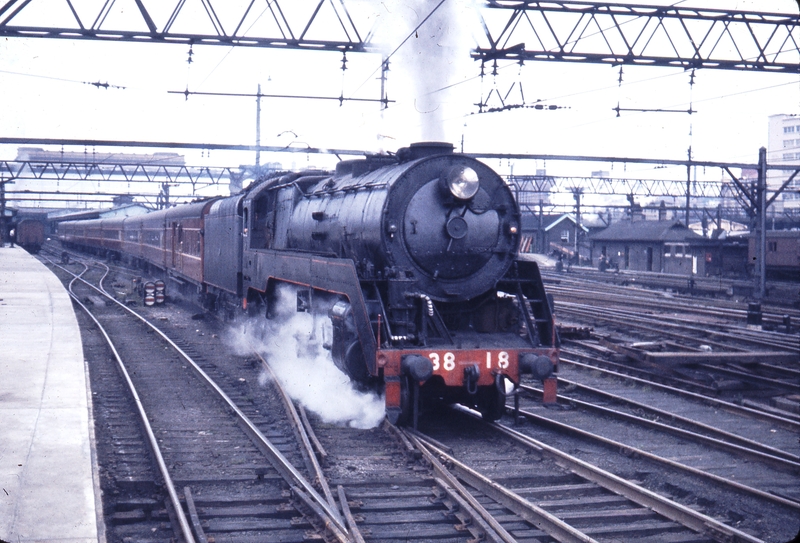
(426, 297)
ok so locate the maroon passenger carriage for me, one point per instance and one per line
(170, 239)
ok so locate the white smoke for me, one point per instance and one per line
(432, 63)
(292, 344)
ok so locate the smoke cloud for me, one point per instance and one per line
(292, 344)
(433, 61)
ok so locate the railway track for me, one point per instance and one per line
(686, 343)
(226, 464)
(722, 295)
(722, 337)
(770, 475)
(460, 480)
(594, 502)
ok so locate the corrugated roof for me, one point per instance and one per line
(565, 217)
(646, 231)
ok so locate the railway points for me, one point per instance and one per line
(340, 483)
(374, 471)
(50, 484)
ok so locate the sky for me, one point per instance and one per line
(46, 90)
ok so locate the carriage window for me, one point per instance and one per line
(152, 237)
(190, 242)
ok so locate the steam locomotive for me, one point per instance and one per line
(411, 256)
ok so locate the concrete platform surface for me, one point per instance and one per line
(47, 472)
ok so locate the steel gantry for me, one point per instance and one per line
(70, 181)
(643, 35)
(530, 185)
(297, 24)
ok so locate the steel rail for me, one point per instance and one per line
(634, 319)
(351, 521)
(627, 282)
(278, 460)
(281, 463)
(489, 528)
(547, 522)
(646, 375)
(183, 522)
(629, 450)
(784, 461)
(594, 312)
(722, 434)
(764, 338)
(300, 430)
(647, 298)
(708, 400)
(681, 514)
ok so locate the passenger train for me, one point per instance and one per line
(412, 256)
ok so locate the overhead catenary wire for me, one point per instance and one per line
(385, 61)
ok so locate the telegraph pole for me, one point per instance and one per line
(761, 223)
(258, 131)
(688, 186)
(576, 193)
(2, 212)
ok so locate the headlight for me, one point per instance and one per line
(462, 182)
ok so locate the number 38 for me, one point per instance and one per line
(449, 361)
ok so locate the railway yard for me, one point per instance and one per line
(324, 272)
(676, 421)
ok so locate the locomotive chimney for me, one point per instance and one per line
(424, 149)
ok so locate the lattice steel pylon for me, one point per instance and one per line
(642, 35)
(298, 24)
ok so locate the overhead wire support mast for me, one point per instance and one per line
(567, 31)
(339, 99)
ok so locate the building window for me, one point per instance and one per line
(772, 246)
(788, 129)
(667, 250)
(679, 250)
(788, 156)
(565, 236)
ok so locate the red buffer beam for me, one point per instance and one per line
(668, 36)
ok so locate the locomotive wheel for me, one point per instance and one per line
(491, 403)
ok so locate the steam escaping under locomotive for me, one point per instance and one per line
(412, 256)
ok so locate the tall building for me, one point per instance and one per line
(783, 147)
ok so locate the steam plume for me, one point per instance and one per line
(434, 59)
(292, 343)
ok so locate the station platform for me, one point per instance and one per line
(48, 474)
